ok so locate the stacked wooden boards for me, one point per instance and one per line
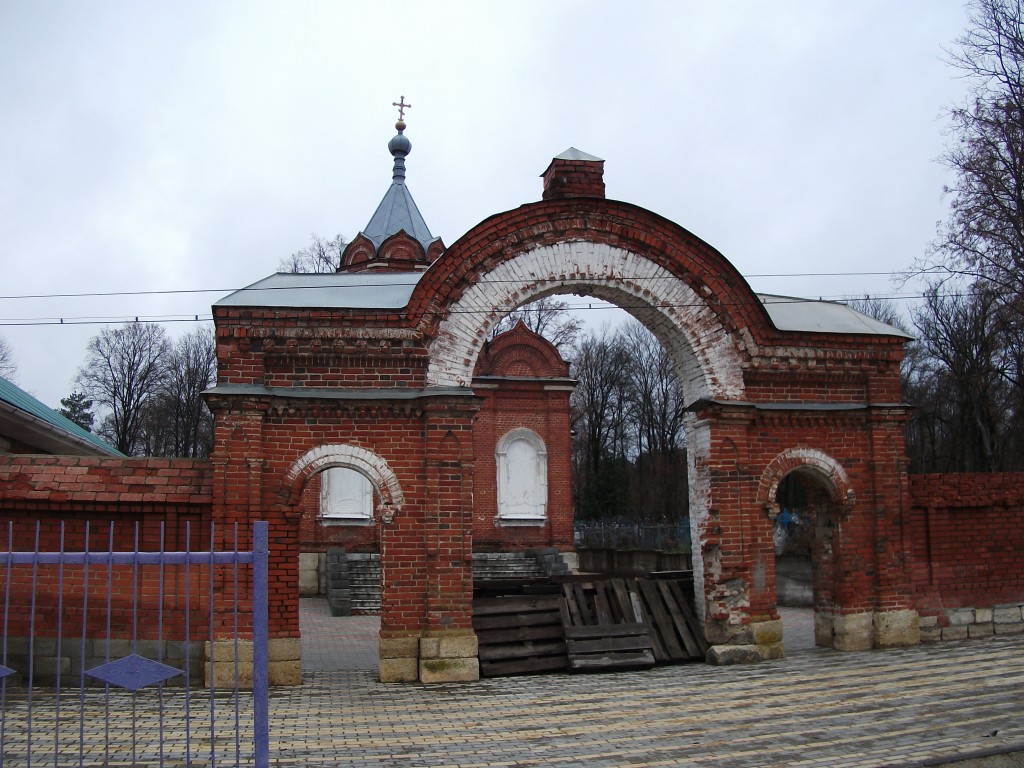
(586, 623)
(518, 634)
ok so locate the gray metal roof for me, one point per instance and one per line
(392, 290)
(30, 422)
(578, 154)
(333, 290)
(397, 212)
(789, 313)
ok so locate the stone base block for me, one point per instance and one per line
(449, 670)
(284, 666)
(402, 647)
(931, 634)
(823, 629)
(771, 651)
(979, 630)
(221, 674)
(449, 657)
(897, 628)
(456, 646)
(853, 632)
(954, 633)
(309, 576)
(284, 672)
(1008, 629)
(399, 659)
(767, 632)
(1007, 614)
(724, 655)
(399, 670)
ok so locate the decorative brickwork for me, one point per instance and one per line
(417, 400)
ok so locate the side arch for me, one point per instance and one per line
(367, 463)
(809, 459)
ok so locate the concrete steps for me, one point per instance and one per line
(353, 578)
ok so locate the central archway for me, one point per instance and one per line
(686, 293)
(709, 356)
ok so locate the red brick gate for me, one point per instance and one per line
(372, 369)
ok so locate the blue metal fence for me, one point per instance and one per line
(72, 696)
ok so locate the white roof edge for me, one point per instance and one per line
(330, 290)
(578, 154)
(792, 313)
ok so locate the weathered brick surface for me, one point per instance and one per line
(388, 392)
(965, 533)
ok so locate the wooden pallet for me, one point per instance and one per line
(601, 628)
(518, 634)
(586, 623)
(675, 632)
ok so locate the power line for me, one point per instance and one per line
(175, 291)
(580, 307)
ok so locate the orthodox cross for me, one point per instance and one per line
(402, 106)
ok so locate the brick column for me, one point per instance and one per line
(896, 621)
(724, 521)
(448, 647)
(238, 498)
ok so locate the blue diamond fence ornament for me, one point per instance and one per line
(133, 672)
(5, 671)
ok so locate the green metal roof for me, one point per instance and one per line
(21, 400)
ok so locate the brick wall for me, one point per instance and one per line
(966, 539)
(49, 503)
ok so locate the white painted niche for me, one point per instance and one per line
(522, 463)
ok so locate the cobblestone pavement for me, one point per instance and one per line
(928, 705)
(817, 707)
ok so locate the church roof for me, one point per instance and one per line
(397, 212)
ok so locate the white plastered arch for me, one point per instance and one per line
(805, 458)
(367, 463)
(707, 355)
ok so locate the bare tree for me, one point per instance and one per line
(7, 367)
(656, 406)
(983, 237)
(549, 317)
(629, 456)
(177, 421)
(600, 435)
(322, 255)
(965, 381)
(124, 369)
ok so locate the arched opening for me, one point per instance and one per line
(345, 494)
(697, 331)
(803, 537)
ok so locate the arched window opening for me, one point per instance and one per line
(522, 478)
(346, 497)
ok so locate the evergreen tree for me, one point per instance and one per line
(77, 407)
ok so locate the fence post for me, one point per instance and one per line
(261, 721)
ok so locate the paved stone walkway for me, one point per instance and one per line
(817, 707)
(908, 707)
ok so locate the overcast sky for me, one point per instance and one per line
(165, 146)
